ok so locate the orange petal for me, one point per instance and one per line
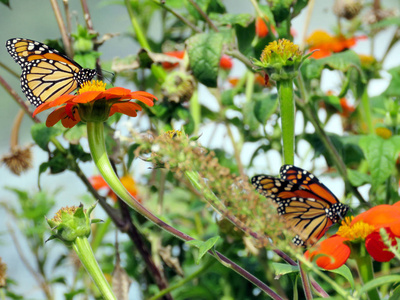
(380, 216)
(88, 96)
(116, 93)
(144, 94)
(332, 253)
(146, 100)
(57, 102)
(55, 116)
(67, 122)
(377, 248)
(98, 182)
(127, 108)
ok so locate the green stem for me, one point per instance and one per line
(285, 93)
(192, 276)
(86, 256)
(195, 110)
(97, 147)
(365, 269)
(367, 111)
(136, 27)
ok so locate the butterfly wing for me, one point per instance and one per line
(46, 73)
(298, 207)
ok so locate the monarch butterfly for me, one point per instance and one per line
(308, 206)
(46, 73)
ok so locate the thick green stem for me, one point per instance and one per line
(82, 248)
(365, 269)
(285, 93)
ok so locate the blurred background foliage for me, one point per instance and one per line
(199, 68)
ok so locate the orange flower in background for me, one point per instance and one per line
(327, 44)
(261, 28)
(127, 181)
(347, 109)
(226, 62)
(333, 252)
(110, 101)
(177, 54)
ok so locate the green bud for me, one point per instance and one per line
(71, 222)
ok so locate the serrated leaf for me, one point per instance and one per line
(245, 36)
(204, 51)
(42, 134)
(374, 283)
(203, 246)
(381, 155)
(283, 269)
(203, 4)
(232, 19)
(357, 178)
(265, 106)
(346, 273)
(342, 61)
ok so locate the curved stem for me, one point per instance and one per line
(365, 270)
(63, 30)
(82, 248)
(97, 147)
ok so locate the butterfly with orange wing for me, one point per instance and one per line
(308, 206)
(46, 73)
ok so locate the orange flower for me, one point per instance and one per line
(327, 44)
(334, 251)
(99, 183)
(226, 62)
(261, 28)
(94, 103)
(347, 109)
(178, 54)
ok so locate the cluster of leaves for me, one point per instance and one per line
(247, 109)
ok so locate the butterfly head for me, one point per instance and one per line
(337, 212)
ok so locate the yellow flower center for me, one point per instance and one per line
(359, 230)
(282, 49)
(383, 132)
(58, 216)
(174, 133)
(92, 86)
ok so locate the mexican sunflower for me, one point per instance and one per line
(327, 44)
(94, 103)
(127, 181)
(333, 252)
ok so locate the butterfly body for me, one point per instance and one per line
(308, 206)
(46, 73)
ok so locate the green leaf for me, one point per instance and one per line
(5, 2)
(78, 152)
(283, 269)
(381, 155)
(265, 106)
(396, 294)
(245, 36)
(378, 282)
(342, 61)
(131, 154)
(298, 6)
(74, 134)
(203, 246)
(346, 273)
(204, 52)
(203, 4)
(232, 19)
(357, 178)
(249, 117)
(42, 134)
(393, 90)
(328, 99)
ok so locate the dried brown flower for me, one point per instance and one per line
(347, 9)
(19, 159)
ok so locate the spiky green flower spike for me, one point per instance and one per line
(70, 223)
(281, 60)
